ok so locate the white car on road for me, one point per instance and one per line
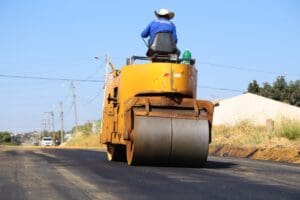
(47, 141)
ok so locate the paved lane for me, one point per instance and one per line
(86, 174)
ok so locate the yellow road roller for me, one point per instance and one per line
(151, 115)
(150, 112)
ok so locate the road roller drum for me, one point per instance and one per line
(168, 141)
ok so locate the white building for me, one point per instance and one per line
(253, 107)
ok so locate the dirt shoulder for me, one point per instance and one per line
(282, 154)
(246, 140)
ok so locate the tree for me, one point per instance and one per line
(294, 93)
(267, 90)
(5, 137)
(254, 87)
(280, 90)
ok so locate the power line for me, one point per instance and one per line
(99, 92)
(201, 86)
(90, 80)
(69, 109)
(217, 88)
(247, 69)
(98, 81)
(93, 99)
(96, 71)
(48, 78)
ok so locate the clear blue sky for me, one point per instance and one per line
(55, 38)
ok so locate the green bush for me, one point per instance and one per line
(5, 137)
(289, 129)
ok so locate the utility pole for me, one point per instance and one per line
(75, 107)
(44, 127)
(62, 122)
(104, 88)
(51, 122)
(46, 124)
(53, 129)
(107, 78)
(52, 119)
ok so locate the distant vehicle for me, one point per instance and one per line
(47, 141)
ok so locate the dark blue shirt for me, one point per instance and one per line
(159, 25)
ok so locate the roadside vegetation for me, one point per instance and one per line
(289, 129)
(7, 138)
(247, 140)
(285, 133)
(87, 135)
(84, 140)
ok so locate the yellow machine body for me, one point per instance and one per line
(154, 90)
(156, 78)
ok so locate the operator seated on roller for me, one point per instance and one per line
(162, 34)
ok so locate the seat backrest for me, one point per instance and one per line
(163, 43)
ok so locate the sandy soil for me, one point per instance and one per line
(282, 154)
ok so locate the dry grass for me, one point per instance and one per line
(248, 140)
(245, 133)
(84, 140)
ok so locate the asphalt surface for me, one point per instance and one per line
(31, 173)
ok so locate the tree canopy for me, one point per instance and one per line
(5, 137)
(280, 90)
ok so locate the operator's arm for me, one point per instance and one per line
(146, 32)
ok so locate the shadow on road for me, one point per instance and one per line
(92, 157)
(219, 165)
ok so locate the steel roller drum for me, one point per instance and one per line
(169, 141)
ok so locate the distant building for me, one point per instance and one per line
(253, 107)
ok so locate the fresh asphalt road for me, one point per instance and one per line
(48, 173)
